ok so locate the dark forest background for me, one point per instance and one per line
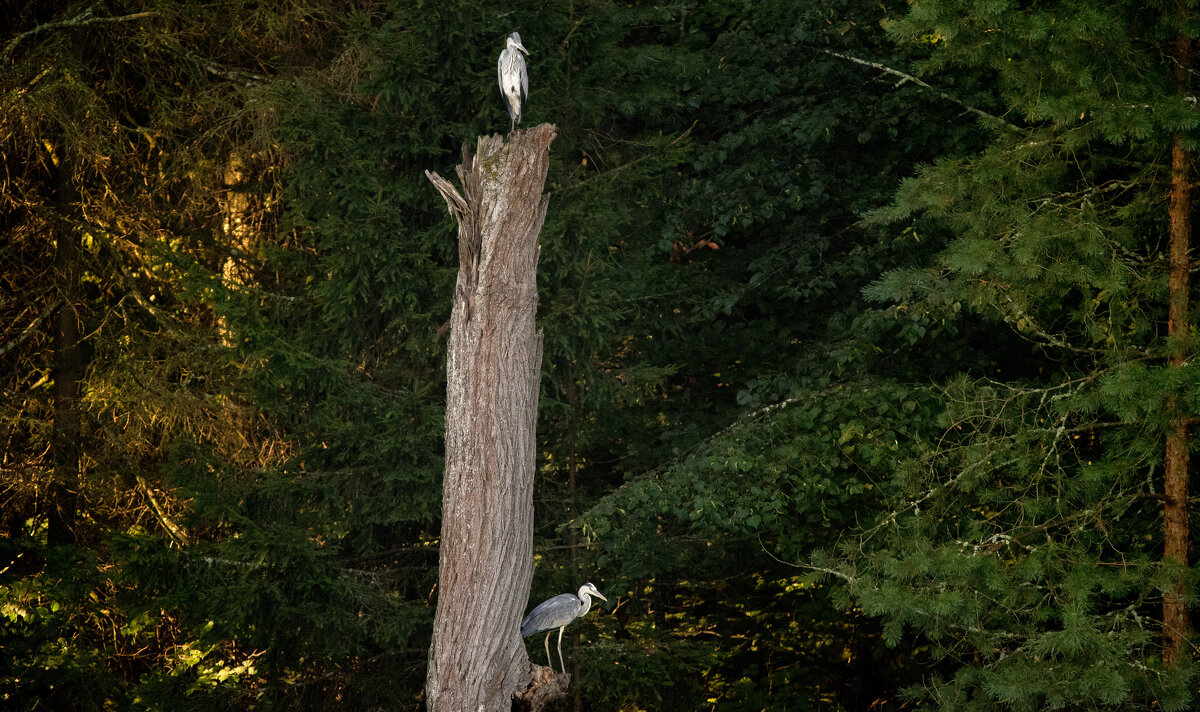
(856, 373)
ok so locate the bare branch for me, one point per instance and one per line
(81, 20)
(20, 338)
(178, 533)
(816, 569)
(910, 78)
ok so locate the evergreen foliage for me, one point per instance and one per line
(1023, 542)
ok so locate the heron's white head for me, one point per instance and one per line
(514, 42)
(590, 589)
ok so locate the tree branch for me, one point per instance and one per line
(20, 338)
(816, 569)
(910, 78)
(178, 533)
(81, 20)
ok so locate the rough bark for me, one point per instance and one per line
(477, 659)
(1176, 459)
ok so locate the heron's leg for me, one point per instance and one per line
(548, 663)
(560, 660)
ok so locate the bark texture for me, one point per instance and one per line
(1177, 456)
(477, 660)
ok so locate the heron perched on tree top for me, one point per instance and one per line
(514, 80)
(557, 612)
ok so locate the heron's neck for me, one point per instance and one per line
(587, 604)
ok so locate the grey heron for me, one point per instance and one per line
(514, 80)
(557, 612)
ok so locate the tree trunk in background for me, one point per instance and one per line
(63, 492)
(477, 659)
(239, 234)
(242, 230)
(1175, 479)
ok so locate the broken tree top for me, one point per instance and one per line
(501, 207)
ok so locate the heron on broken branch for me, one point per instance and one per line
(514, 80)
(557, 612)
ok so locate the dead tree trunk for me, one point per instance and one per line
(477, 660)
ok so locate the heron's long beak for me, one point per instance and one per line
(521, 47)
(599, 595)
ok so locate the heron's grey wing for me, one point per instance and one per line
(500, 81)
(524, 82)
(550, 613)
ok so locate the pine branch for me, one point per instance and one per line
(81, 20)
(817, 569)
(915, 504)
(1019, 316)
(910, 78)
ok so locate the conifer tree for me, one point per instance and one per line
(1026, 540)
